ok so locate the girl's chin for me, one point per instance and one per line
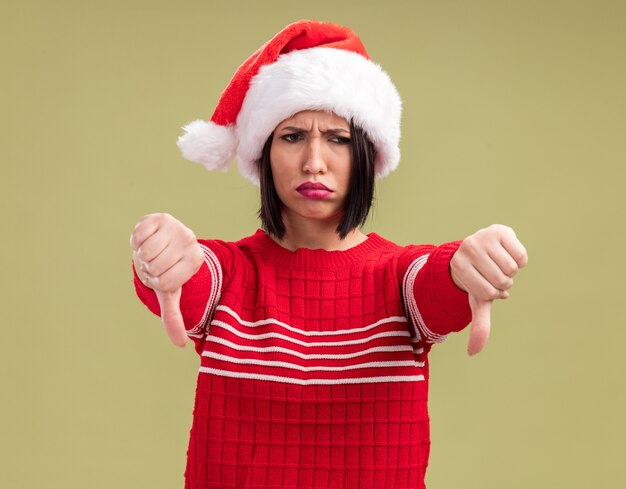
(313, 215)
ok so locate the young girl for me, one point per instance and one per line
(313, 336)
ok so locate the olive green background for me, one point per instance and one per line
(514, 113)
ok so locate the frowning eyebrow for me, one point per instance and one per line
(335, 130)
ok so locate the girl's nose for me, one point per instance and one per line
(314, 161)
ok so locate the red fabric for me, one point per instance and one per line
(303, 34)
(311, 375)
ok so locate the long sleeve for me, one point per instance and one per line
(435, 305)
(200, 293)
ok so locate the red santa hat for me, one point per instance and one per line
(309, 65)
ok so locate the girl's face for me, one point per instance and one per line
(310, 159)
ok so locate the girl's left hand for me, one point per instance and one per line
(484, 267)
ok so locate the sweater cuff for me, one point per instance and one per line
(446, 290)
(193, 301)
(145, 293)
(450, 311)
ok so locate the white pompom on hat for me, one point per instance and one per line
(309, 65)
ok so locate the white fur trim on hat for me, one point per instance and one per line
(209, 144)
(335, 80)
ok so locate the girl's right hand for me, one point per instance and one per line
(484, 267)
(166, 254)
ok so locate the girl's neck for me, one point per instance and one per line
(317, 234)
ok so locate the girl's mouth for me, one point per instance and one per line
(314, 190)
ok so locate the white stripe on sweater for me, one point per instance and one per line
(411, 305)
(307, 356)
(302, 368)
(215, 270)
(288, 380)
(263, 322)
(263, 336)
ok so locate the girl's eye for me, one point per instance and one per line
(340, 140)
(292, 138)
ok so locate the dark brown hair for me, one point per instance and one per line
(360, 189)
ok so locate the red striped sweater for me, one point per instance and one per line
(314, 368)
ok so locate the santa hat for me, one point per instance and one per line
(309, 65)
